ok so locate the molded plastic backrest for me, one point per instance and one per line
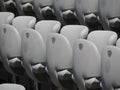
(87, 60)
(60, 51)
(6, 17)
(102, 38)
(72, 32)
(33, 50)
(110, 68)
(110, 8)
(59, 55)
(22, 22)
(64, 4)
(10, 41)
(87, 6)
(11, 87)
(10, 44)
(46, 27)
(42, 3)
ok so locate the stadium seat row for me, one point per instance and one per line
(96, 14)
(69, 57)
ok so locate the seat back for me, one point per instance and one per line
(87, 6)
(87, 12)
(102, 38)
(64, 10)
(87, 62)
(10, 44)
(11, 87)
(6, 18)
(46, 27)
(110, 68)
(22, 22)
(25, 7)
(59, 50)
(87, 57)
(44, 9)
(73, 32)
(33, 50)
(108, 9)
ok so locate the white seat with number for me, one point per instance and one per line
(110, 67)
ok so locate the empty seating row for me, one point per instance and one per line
(67, 58)
(94, 14)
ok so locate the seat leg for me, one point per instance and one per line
(14, 79)
(36, 85)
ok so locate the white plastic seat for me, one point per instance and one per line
(59, 54)
(22, 22)
(33, 53)
(110, 67)
(10, 48)
(6, 18)
(44, 9)
(87, 13)
(87, 58)
(65, 11)
(109, 14)
(8, 86)
(25, 7)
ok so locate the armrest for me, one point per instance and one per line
(46, 8)
(91, 17)
(92, 83)
(64, 75)
(15, 62)
(68, 14)
(115, 22)
(28, 7)
(38, 68)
